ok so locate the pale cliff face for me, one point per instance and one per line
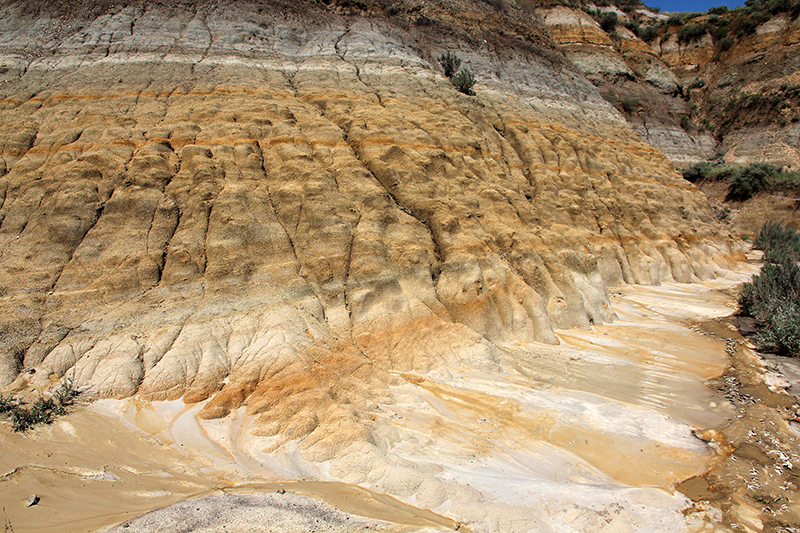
(200, 170)
(251, 206)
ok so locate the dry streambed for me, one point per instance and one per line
(593, 434)
(754, 483)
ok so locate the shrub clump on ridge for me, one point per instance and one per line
(609, 22)
(692, 32)
(743, 181)
(450, 63)
(463, 80)
(750, 180)
(773, 297)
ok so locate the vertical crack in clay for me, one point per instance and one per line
(347, 270)
(161, 263)
(289, 239)
(290, 80)
(437, 248)
(97, 214)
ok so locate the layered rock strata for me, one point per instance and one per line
(751, 93)
(635, 76)
(693, 98)
(288, 210)
(189, 169)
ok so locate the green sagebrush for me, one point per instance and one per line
(773, 297)
(43, 410)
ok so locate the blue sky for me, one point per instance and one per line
(690, 5)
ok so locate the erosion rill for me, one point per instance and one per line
(283, 213)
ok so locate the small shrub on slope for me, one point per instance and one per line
(66, 393)
(675, 20)
(750, 180)
(692, 32)
(697, 172)
(773, 297)
(8, 404)
(609, 22)
(648, 34)
(744, 181)
(43, 410)
(464, 81)
(450, 63)
(709, 170)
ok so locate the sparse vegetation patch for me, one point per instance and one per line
(773, 297)
(750, 180)
(779, 243)
(42, 411)
(743, 181)
(735, 109)
(692, 32)
(462, 79)
(608, 22)
(450, 63)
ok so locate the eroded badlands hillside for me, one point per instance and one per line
(287, 208)
(694, 85)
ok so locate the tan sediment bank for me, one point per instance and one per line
(602, 421)
(276, 240)
(91, 471)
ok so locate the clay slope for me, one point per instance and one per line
(290, 210)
